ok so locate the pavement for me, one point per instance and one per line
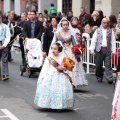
(93, 102)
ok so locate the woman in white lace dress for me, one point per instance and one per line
(66, 35)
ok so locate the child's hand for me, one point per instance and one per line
(61, 68)
(64, 68)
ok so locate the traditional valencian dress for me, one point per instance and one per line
(54, 89)
(116, 101)
(78, 74)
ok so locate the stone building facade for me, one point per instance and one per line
(107, 6)
(25, 5)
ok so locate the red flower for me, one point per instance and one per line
(78, 49)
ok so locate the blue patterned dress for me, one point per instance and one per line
(53, 90)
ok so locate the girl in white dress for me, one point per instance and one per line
(54, 88)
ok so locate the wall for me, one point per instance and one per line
(86, 4)
(105, 6)
(59, 5)
(115, 7)
(1, 5)
(76, 5)
(7, 5)
(45, 4)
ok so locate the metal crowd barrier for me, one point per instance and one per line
(89, 59)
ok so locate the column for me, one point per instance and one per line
(59, 6)
(86, 5)
(76, 5)
(17, 7)
(0, 5)
(105, 6)
(39, 5)
(7, 5)
(115, 7)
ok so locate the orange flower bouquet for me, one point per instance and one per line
(68, 63)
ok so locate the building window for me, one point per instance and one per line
(66, 6)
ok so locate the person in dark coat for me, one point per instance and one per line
(32, 28)
(82, 15)
(70, 15)
(48, 36)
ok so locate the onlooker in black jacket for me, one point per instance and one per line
(70, 15)
(32, 28)
(48, 36)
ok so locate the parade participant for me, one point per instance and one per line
(4, 40)
(48, 36)
(13, 31)
(54, 89)
(32, 28)
(116, 99)
(102, 45)
(66, 34)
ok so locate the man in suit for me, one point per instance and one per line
(32, 28)
(13, 31)
(4, 40)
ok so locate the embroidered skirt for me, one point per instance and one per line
(55, 92)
